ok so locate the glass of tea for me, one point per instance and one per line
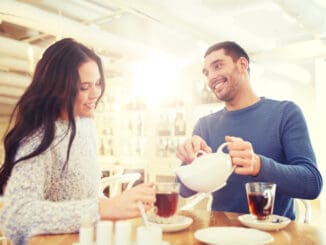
(260, 196)
(167, 195)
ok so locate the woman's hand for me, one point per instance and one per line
(125, 206)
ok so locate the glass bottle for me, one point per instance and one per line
(179, 125)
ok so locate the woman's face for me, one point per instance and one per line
(89, 90)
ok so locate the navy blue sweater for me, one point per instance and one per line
(278, 133)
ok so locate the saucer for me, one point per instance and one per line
(230, 235)
(180, 223)
(274, 223)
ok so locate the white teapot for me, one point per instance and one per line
(207, 173)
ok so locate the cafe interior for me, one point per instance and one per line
(152, 53)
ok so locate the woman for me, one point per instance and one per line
(50, 177)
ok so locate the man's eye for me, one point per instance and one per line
(217, 67)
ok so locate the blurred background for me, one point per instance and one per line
(152, 52)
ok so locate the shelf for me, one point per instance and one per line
(147, 136)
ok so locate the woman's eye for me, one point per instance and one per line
(84, 87)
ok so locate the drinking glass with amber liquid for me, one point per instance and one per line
(165, 207)
(260, 196)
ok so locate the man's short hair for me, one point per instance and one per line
(231, 49)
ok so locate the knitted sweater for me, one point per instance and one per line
(41, 198)
(279, 135)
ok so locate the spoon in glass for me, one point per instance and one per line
(143, 213)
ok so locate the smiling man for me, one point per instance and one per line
(227, 73)
(268, 140)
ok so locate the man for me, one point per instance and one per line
(268, 140)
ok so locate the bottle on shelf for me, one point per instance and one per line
(163, 126)
(102, 148)
(139, 125)
(109, 149)
(130, 126)
(204, 94)
(179, 125)
(162, 147)
(172, 145)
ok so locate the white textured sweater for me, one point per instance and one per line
(41, 198)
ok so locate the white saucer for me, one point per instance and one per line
(181, 223)
(275, 222)
(230, 235)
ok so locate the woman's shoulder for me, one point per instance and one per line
(85, 122)
(86, 127)
(34, 136)
(29, 143)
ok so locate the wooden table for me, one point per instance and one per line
(295, 233)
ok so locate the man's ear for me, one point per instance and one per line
(243, 63)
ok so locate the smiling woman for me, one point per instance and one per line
(47, 127)
(90, 89)
(50, 177)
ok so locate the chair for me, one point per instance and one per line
(303, 210)
(194, 200)
(115, 182)
(4, 240)
(110, 170)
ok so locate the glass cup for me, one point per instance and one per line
(165, 207)
(260, 196)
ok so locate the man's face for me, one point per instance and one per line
(223, 74)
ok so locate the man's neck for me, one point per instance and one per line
(246, 99)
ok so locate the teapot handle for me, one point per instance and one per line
(221, 147)
(219, 150)
(199, 153)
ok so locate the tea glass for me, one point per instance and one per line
(260, 196)
(165, 206)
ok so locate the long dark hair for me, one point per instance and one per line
(53, 89)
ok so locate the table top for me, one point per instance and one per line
(295, 233)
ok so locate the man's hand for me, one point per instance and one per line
(186, 151)
(243, 156)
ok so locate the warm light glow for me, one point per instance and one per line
(155, 78)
